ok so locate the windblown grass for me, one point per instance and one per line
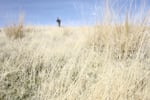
(15, 31)
(99, 63)
(102, 62)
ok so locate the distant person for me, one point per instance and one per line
(59, 22)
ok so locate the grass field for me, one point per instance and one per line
(108, 61)
(104, 62)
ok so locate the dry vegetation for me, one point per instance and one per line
(103, 62)
(15, 31)
(92, 63)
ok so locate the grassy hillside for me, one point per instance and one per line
(103, 62)
(108, 61)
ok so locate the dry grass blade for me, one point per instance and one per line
(15, 31)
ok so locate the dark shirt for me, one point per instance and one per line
(58, 20)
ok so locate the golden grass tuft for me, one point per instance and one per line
(15, 31)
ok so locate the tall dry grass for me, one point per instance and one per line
(15, 31)
(80, 65)
(102, 62)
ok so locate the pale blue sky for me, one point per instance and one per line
(72, 12)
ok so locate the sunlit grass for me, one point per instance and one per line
(102, 62)
(15, 31)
